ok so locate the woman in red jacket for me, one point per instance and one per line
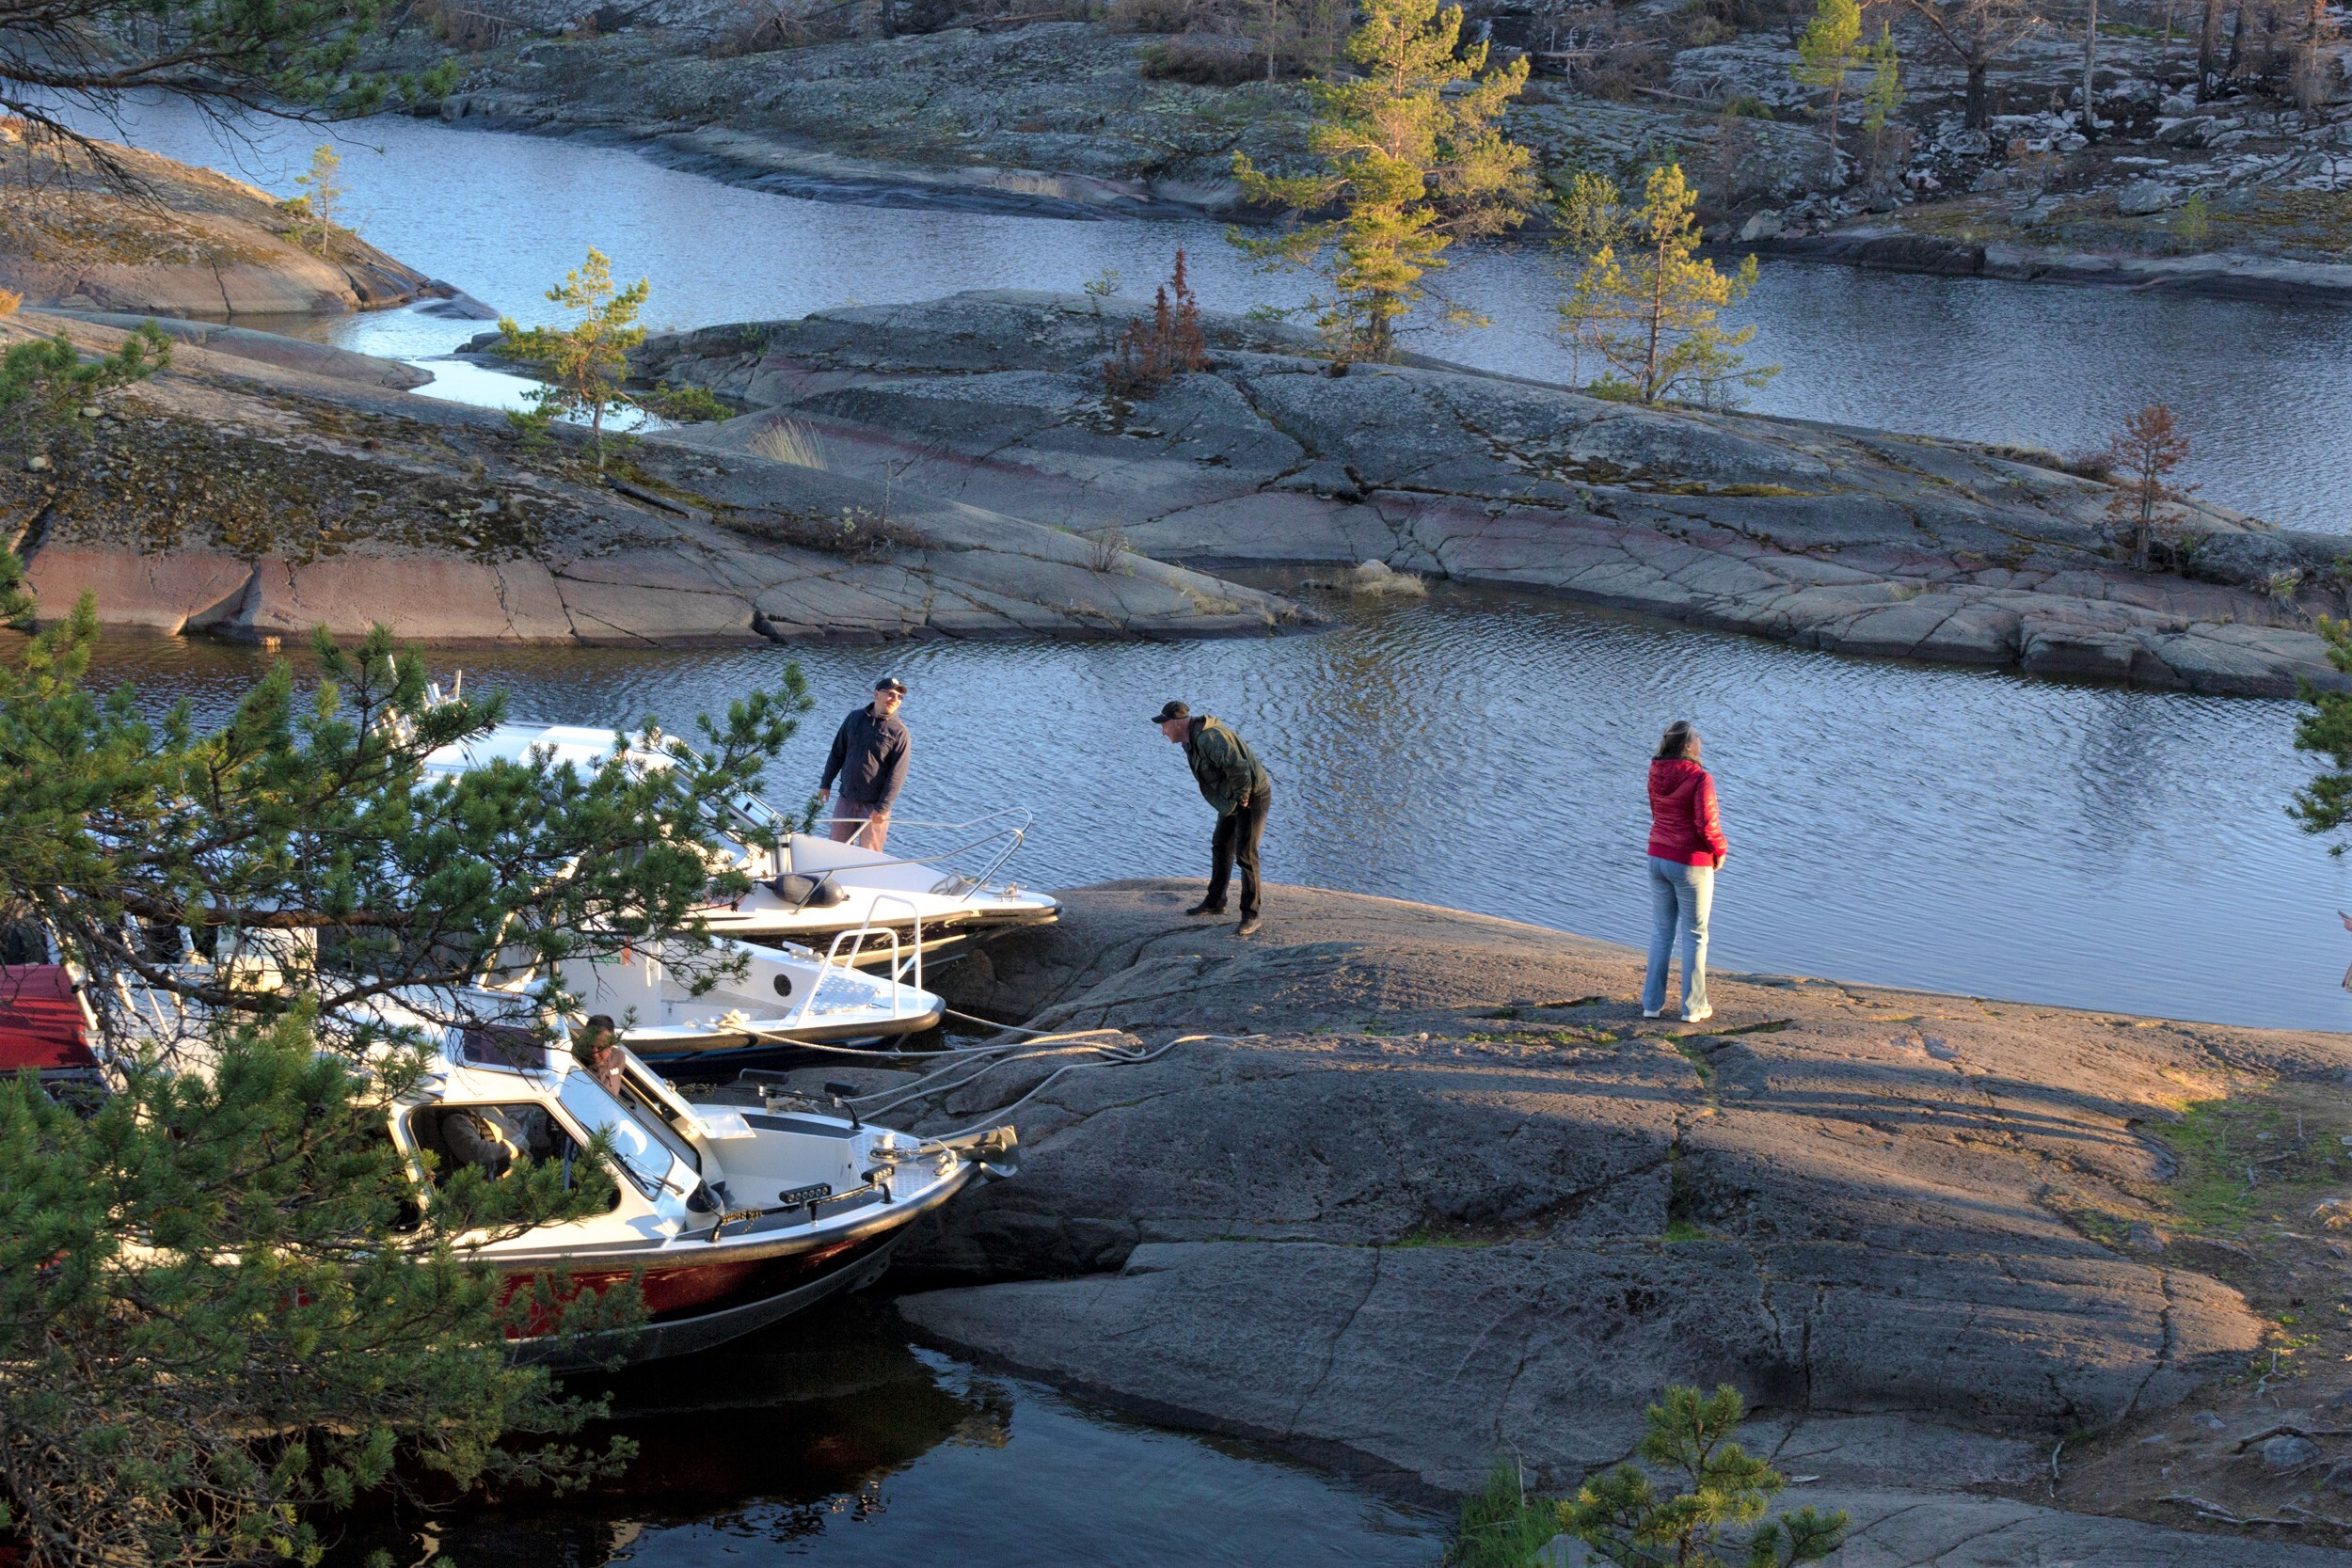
(1686, 845)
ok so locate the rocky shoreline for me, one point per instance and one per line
(790, 166)
(1424, 1189)
(187, 242)
(263, 487)
(2211, 275)
(1852, 540)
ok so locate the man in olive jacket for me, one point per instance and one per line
(1233, 781)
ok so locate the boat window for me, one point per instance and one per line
(502, 1048)
(23, 942)
(639, 1138)
(493, 1138)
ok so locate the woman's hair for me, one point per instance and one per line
(1680, 740)
(596, 1031)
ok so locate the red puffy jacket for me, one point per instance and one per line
(1683, 826)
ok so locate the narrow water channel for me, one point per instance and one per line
(2261, 389)
(1963, 829)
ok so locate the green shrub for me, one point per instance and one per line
(684, 405)
(1501, 1526)
(1627, 1521)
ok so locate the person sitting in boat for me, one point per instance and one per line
(599, 1050)
(482, 1137)
(870, 756)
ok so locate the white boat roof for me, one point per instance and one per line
(583, 745)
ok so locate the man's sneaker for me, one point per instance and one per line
(1249, 925)
(1205, 907)
(1653, 1012)
(1699, 1016)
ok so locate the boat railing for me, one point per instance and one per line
(848, 945)
(1011, 837)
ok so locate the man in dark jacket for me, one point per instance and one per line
(870, 756)
(1233, 781)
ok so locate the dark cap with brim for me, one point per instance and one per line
(1173, 710)
(891, 683)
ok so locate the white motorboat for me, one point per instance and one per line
(728, 1216)
(781, 997)
(841, 899)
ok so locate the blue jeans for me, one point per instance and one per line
(1679, 896)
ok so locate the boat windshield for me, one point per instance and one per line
(639, 1139)
(752, 819)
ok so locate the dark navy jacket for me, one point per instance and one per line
(871, 756)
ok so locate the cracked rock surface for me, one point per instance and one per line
(255, 496)
(1447, 1194)
(1854, 540)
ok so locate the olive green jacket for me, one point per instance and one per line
(1223, 766)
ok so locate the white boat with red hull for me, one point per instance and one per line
(727, 1217)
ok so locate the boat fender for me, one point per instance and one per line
(804, 891)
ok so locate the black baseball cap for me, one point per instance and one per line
(1173, 710)
(891, 683)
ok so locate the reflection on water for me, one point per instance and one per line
(1969, 831)
(504, 216)
(829, 1440)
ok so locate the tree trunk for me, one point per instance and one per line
(2091, 61)
(1836, 90)
(2208, 45)
(1980, 116)
(2237, 39)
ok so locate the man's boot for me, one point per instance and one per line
(1249, 925)
(1204, 907)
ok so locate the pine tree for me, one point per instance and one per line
(1625, 1521)
(1884, 99)
(250, 1230)
(1647, 304)
(2151, 445)
(320, 195)
(582, 363)
(1827, 48)
(44, 383)
(222, 1315)
(1413, 159)
(2324, 804)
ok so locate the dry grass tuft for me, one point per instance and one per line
(783, 441)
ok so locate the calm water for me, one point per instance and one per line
(1961, 829)
(1969, 831)
(2261, 389)
(828, 1441)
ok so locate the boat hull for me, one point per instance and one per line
(717, 1047)
(686, 1333)
(699, 1293)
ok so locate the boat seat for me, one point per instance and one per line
(804, 891)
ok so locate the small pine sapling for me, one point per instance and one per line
(1622, 1515)
(1170, 345)
(1646, 303)
(583, 363)
(1413, 158)
(1827, 48)
(321, 198)
(2149, 447)
(1882, 100)
(2324, 804)
(2192, 225)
